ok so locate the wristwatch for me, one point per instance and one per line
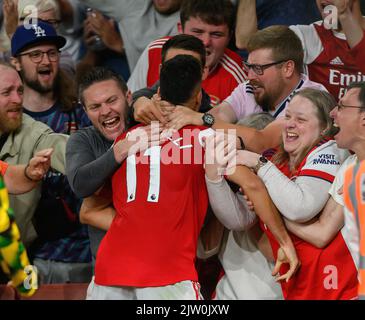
(260, 163)
(208, 119)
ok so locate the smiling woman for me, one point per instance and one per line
(297, 179)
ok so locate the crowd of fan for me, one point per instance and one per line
(287, 76)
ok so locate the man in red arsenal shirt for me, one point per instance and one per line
(150, 248)
(212, 22)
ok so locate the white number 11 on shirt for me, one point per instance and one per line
(154, 186)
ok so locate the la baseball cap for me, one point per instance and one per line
(27, 35)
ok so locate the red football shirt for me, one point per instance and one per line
(337, 65)
(160, 208)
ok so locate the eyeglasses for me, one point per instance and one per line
(37, 55)
(341, 106)
(260, 68)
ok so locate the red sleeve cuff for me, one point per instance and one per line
(3, 167)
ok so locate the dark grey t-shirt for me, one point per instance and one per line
(90, 163)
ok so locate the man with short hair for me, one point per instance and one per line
(179, 44)
(333, 46)
(161, 264)
(91, 154)
(212, 22)
(275, 71)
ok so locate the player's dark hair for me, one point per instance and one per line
(99, 74)
(180, 78)
(185, 42)
(214, 12)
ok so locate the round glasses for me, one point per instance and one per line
(36, 56)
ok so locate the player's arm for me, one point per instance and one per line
(255, 190)
(350, 17)
(256, 140)
(230, 208)
(146, 110)
(308, 195)
(180, 116)
(97, 210)
(352, 22)
(246, 24)
(320, 231)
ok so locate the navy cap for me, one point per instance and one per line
(34, 34)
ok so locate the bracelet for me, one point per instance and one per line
(27, 176)
(242, 144)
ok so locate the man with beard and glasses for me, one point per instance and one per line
(62, 252)
(21, 138)
(333, 47)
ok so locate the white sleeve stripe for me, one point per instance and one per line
(235, 75)
(156, 46)
(238, 67)
(233, 68)
(159, 41)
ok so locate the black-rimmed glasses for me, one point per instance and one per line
(341, 106)
(260, 68)
(36, 56)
